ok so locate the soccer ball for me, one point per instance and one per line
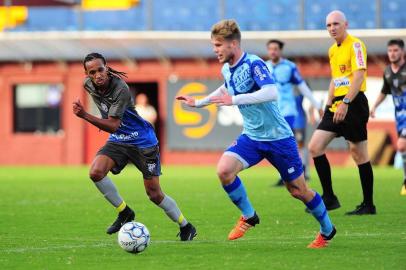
(133, 237)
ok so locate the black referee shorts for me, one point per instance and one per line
(354, 126)
(147, 160)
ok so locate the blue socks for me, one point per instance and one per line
(238, 195)
(319, 211)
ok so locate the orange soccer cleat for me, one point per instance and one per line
(242, 226)
(321, 240)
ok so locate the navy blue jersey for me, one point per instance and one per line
(117, 102)
(395, 84)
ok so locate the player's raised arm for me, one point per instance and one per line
(192, 102)
(110, 124)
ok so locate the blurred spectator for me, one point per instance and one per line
(144, 109)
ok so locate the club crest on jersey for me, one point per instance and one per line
(342, 68)
(104, 107)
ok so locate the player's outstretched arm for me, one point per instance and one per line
(192, 102)
(188, 100)
(267, 93)
(109, 125)
(378, 101)
(306, 92)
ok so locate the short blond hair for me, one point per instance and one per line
(226, 29)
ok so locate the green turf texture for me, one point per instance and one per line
(54, 218)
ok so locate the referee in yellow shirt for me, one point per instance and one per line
(346, 113)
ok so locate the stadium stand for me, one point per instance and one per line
(179, 15)
(186, 16)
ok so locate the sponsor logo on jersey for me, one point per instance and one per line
(398, 101)
(125, 137)
(401, 113)
(242, 78)
(342, 81)
(258, 72)
(291, 170)
(359, 55)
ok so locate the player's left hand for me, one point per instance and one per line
(224, 100)
(78, 109)
(340, 114)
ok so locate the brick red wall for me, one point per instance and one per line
(80, 141)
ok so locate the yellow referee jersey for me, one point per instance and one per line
(349, 56)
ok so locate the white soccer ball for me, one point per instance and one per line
(134, 237)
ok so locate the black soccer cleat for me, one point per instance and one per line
(124, 216)
(187, 233)
(254, 220)
(331, 203)
(279, 183)
(363, 209)
(331, 236)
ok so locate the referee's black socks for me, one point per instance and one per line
(367, 182)
(323, 170)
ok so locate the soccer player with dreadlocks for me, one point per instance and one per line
(132, 139)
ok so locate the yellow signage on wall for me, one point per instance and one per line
(108, 4)
(13, 16)
(192, 122)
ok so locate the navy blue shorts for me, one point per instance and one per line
(291, 120)
(283, 154)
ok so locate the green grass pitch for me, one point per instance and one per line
(54, 218)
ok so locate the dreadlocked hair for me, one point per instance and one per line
(110, 70)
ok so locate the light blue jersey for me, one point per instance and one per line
(286, 75)
(262, 121)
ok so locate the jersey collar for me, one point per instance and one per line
(281, 61)
(348, 37)
(239, 62)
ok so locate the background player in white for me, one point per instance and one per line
(394, 83)
(287, 76)
(266, 134)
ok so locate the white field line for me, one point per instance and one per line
(273, 240)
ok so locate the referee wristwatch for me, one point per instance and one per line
(346, 101)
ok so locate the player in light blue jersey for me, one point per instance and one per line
(266, 135)
(287, 77)
(132, 139)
